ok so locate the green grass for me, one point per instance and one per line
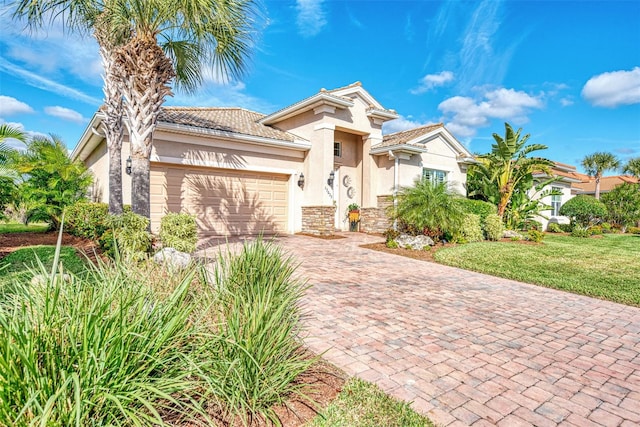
(361, 404)
(607, 267)
(13, 227)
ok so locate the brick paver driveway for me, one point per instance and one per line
(467, 348)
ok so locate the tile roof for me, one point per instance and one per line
(233, 120)
(607, 183)
(403, 137)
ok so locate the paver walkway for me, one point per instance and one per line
(467, 348)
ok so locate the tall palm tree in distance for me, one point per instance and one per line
(632, 167)
(168, 41)
(597, 164)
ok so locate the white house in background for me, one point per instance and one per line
(297, 169)
(571, 183)
(567, 177)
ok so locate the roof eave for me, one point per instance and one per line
(89, 139)
(381, 115)
(296, 144)
(322, 98)
(400, 148)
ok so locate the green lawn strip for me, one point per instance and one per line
(362, 404)
(607, 267)
(20, 261)
(12, 227)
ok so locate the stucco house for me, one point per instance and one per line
(570, 183)
(294, 170)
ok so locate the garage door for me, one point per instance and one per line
(225, 203)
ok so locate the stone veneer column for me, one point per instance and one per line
(376, 220)
(318, 220)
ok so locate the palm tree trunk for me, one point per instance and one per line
(113, 128)
(144, 73)
(597, 188)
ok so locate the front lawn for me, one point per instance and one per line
(20, 261)
(14, 227)
(607, 267)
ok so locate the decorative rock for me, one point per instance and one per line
(508, 234)
(414, 242)
(172, 259)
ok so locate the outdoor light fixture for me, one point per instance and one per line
(128, 168)
(332, 175)
(301, 180)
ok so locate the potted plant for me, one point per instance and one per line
(354, 216)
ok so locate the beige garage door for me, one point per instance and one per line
(225, 202)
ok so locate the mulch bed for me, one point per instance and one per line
(10, 242)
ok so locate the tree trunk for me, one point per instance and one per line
(112, 124)
(597, 188)
(144, 73)
(140, 184)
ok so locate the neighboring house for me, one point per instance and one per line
(607, 183)
(567, 177)
(571, 183)
(297, 169)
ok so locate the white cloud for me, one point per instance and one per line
(51, 51)
(566, 102)
(400, 124)
(431, 81)
(613, 89)
(464, 115)
(10, 106)
(65, 114)
(36, 80)
(311, 17)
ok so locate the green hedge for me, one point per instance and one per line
(478, 207)
(88, 220)
(179, 231)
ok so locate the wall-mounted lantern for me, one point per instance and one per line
(128, 168)
(301, 181)
(332, 175)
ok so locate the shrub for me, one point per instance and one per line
(88, 220)
(392, 244)
(478, 207)
(584, 210)
(258, 355)
(493, 227)
(606, 227)
(127, 236)
(633, 230)
(471, 230)
(179, 231)
(390, 234)
(554, 228)
(535, 236)
(566, 228)
(100, 349)
(579, 231)
(429, 208)
(531, 224)
(595, 230)
(623, 204)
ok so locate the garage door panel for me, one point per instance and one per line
(224, 202)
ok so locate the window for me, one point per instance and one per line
(556, 202)
(337, 149)
(434, 176)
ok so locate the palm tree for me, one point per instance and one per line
(506, 168)
(172, 40)
(429, 207)
(8, 132)
(167, 41)
(86, 16)
(596, 164)
(632, 167)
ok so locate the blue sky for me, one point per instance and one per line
(567, 72)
